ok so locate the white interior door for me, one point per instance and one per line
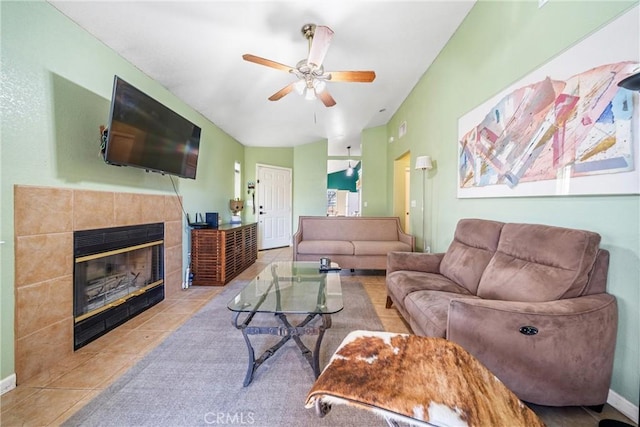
(342, 202)
(353, 204)
(273, 191)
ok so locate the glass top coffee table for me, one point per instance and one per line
(283, 289)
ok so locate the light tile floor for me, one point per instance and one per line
(54, 396)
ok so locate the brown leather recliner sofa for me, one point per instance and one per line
(528, 300)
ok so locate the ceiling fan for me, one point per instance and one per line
(310, 73)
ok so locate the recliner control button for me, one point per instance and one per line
(528, 330)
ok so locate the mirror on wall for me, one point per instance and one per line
(344, 183)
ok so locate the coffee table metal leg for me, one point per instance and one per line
(252, 359)
(326, 324)
(287, 332)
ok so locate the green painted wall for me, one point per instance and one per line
(56, 87)
(56, 91)
(374, 172)
(498, 44)
(309, 180)
(312, 170)
(267, 156)
(309, 164)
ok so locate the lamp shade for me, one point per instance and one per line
(424, 162)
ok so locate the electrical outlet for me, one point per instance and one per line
(413, 204)
(542, 3)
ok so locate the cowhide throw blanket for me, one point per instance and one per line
(419, 380)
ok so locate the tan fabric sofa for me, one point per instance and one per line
(352, 242)
(527, 300)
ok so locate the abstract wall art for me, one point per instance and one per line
(566, 129)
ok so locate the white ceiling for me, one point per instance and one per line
(195, 49)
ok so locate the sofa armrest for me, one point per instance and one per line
(297, 238)
(573, 344)
(597, 282)
(414, 261)
(407, 238)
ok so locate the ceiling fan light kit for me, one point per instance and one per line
(312, 78)
(310, 94)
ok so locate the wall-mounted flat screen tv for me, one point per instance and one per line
(145, 134)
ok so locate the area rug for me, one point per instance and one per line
(194, 378)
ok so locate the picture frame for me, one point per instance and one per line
(565, 129)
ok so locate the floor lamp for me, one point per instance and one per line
(424, 163)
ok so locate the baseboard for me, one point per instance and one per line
(627, 408)
(7, 384)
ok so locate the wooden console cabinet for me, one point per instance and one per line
(218, 255)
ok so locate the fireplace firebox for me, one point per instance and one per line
(118, 273)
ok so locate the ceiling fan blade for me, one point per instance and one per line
(319, 45)
(352, 76)
(326, 98)
(266, 62)
(282, 92)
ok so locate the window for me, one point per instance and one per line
(237, 180)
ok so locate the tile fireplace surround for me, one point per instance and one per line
(44, 220)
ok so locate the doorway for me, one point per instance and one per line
(273, 191)
(401, 190)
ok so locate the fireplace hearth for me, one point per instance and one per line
(118, 273)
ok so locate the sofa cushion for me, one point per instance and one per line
(378, 247)
(349, 228)
(325, 247)
(414, 261)
(428, 311)
(474, 243)
(401, 283)
(539, 263)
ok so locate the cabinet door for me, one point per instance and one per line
(217, 256)
(229, 262)
(251, 244)
(207, 257)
